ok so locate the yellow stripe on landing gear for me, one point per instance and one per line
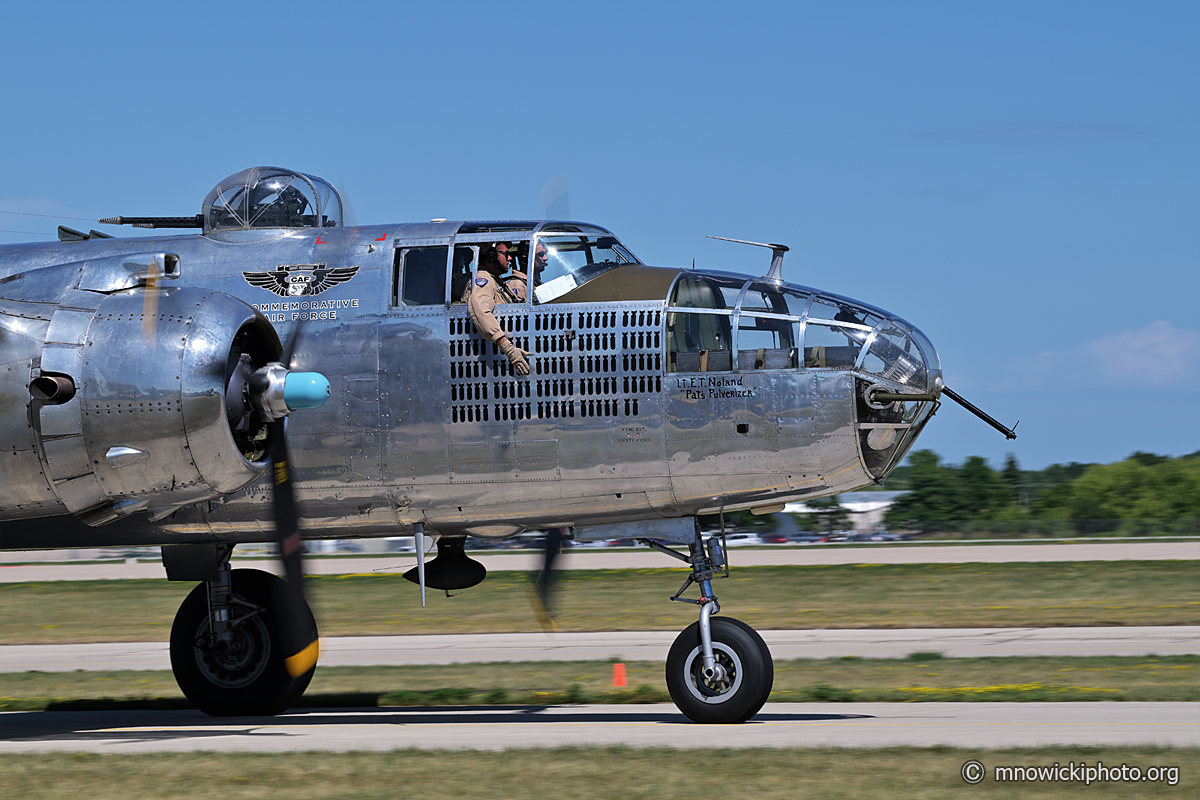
(303, 661)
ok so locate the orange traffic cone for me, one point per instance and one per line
(619, 676)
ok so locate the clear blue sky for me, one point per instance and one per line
(1019, 180)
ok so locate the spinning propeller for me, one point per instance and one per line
(541, 596)
(274, 391)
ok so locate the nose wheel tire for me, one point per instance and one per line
(744, 675)
(243, 671)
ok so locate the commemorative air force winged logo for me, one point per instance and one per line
(300, 280)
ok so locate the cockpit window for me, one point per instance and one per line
(825, 308)
(574, 255)
(702, 291)
(765, 343)
(713, 325)
(699, 342)
(832, 345)
(760, 297)
(894, 356)
(270, 197)
(827, 344)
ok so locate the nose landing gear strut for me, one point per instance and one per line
(719, 669)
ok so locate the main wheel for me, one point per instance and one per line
(243, 672)
(739, 692)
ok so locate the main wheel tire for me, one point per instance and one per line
(769, 682)
(246, 675)
(749, 673)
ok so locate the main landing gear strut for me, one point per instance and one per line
(225, 644)
(719, 669)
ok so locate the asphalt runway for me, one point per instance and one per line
(352, 651)
(582, 558)
(503, 727)
(778, 725)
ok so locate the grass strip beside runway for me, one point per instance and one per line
(970, 595)
(923, 677)
(593, 773)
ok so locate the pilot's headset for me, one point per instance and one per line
(491, 255)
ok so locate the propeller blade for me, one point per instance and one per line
(297, 637)
(289, 349)
(150, 306)
(349, 218)
(542, 595)
(556, 198)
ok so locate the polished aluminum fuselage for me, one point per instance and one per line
(425, 424)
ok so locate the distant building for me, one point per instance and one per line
(866, 511)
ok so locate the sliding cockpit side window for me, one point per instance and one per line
(480, 250)
(420, 276)
(461, 271)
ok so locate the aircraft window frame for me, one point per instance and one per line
(463, 286)
(712, 359)
(782, 356)
(568, 274)
(400, 272)
(871, 319)
(803, 302)
(519, 245)
(718, 286)
(928, 353)
(889, 360)
(768, 291)
(821, 360)
(264, 198)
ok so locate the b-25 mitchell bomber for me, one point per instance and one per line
(147, 397)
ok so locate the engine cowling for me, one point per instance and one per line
(158, 417)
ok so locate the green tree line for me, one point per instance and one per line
(1130, 496)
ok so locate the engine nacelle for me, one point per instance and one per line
(148, 424)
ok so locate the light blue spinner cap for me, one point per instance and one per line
(305, 390)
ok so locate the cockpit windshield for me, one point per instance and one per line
(271, 197)
(567, 256)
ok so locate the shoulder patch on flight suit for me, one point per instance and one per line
(481, 282)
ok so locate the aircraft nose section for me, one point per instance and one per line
(903, 358)
(305, 390)
(900, 360)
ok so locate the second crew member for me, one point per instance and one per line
(486, 292)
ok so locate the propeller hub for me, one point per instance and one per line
(275, 391)
(305, 390)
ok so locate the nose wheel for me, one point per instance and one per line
(719, 669)
(735, 687)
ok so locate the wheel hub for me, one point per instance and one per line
(238, 656)
(726, 677)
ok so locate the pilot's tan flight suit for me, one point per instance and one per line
(486, 292)
(516, 286)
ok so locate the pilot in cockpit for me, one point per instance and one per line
(540, 260)
(486, 291)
